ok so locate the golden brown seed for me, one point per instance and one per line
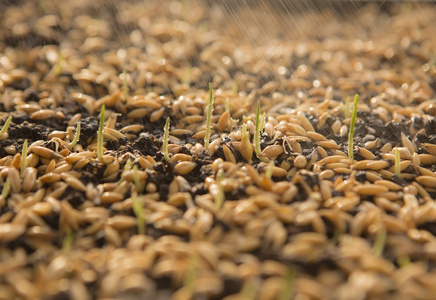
(245, 148)
(428, 181)
(73, 182)
(316, 137)
(408, 144)
(427, 159)
(111, 168)
(366, 154)
(29, 180)
(50, 178)
(228, 154)
(10, 232)
(300, 162)
(378, 165)
(44, 152)
(42, 114)
(330, 144)
(121, 222)
(14, 179)
(370, 189)
(272, 151)
(157, 115)
(223, 121)
(111, 197)
(184, 167)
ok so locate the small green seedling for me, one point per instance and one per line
(249, 289)
(187, 77)
(100, 135)
(269, 169)
(353, 123)
(6, 125)
(125, 86)
(138, 210)
(258, 129)
(76, 136)
(24, 157)
(397, 162)
(403, 261)
(219, 199)
(136, 179)
(380, 240)
(165, 139)
(6, 189)
(226, 105)
(127, 167)
(68, 241)
(347, 108)
(288, 285)
(209, 118)
(58, 65)
(191, 275)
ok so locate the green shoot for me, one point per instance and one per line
(353, 123)
(165, 140)
(347, 108)
(68, 241)
(58, 65)
(397, 162)
(219, 199)
(6, 189)
(380, 240)
(256, 138)
(136, 179)
(125, 86)
(24, 157)
(209, 118)
(249, 290)
(127, 167)
(288, 285)
(187, 76)
(138, 210)
(191, 275)
(6, 125)
(100, 135)
(269, 170)
(235, 87)
(226, 105)
(403, 261)
(76, 136)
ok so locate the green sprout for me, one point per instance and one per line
(100, 135)
(226, 105)
(24, 157)
(125, 86)
(68, 241)
(219, 199)
(269, 170)
(136, 179)
(397, 162)
(127, 167)
(380, 240)
(403, 261)
(165, 139)
(353, 123)
(76, 136)
(347, 108)
(6, 189)
(288, 285)
(58, 65)
(191, 275)
(138, 210)
(256, 138)
(248, 290)
(209, 118)
(6, 125)
(187, 76)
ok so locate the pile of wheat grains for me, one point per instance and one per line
(292, 216)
